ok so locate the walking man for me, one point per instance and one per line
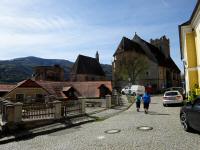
(146, 100)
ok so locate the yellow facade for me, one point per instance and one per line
(193, 78)
(190, 48)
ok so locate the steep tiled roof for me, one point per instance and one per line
(158, 56)
(6, 87)
(87, 65)
(157, 53)
(145, 47)
(128, 45)
(26, 84)
(170, 64)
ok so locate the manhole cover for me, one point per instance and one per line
(144, 128)
(112, 131)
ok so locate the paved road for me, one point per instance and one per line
(167, 133)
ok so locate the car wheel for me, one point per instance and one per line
(164, 105)
(123, 93)
(184, 122)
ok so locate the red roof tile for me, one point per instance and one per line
(6, 87)
(86, 89)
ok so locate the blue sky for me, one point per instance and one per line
(62, 29)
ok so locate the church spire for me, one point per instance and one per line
(97, 56)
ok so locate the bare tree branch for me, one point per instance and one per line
(132, 68)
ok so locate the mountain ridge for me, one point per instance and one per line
(18, 69)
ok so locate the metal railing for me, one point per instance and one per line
(34, 111)
(71, 108)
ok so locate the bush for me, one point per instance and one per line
(194, 93)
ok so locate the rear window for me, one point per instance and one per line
(178, 89)
(171, 93)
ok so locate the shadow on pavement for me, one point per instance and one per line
(24, 134)
(156, 113)
(174, 105)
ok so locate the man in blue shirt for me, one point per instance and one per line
(146, 100)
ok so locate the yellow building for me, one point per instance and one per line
(190, 48)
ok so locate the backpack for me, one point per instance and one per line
(138, 98)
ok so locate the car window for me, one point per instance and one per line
(197, 102)
(178, 89)
(171, 93)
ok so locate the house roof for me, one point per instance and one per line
(26, 84)
(128, 45)
(149, 51)
(193, 14)
(161, 59)
(158, 55)
(84, 89)
(48, 67)
(66, 88)
(87, 65)
(6, 87)
(170, 64)
(195, 10)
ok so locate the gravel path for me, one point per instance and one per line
(167, 133)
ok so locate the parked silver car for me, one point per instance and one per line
(172, 97)
(180, 89)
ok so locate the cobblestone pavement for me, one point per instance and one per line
(167, 133)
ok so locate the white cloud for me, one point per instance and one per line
(33, 24)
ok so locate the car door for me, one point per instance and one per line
(194, 116)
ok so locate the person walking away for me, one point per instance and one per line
(146, 100)
(138, 102)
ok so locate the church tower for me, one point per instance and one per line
(162, 44)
